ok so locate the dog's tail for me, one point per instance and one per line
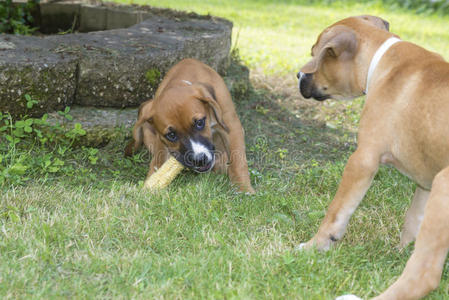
(142, 117)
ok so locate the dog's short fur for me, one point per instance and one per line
(193, 118)
(404, 123)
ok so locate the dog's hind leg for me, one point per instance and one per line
(414, 217)
(422, 273)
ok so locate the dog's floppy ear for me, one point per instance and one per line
(342, 43)
(145, 114)
(206, 93)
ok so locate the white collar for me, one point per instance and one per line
(377, 57)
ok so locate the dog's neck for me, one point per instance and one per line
(377, 57)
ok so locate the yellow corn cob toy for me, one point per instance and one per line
(165, 175)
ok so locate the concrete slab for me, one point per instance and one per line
(109, 68)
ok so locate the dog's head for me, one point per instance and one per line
(183, 118)
(332, 71)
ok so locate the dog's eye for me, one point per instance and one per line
(199, 124)
(171, 136)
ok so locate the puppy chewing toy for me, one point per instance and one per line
(164, 176)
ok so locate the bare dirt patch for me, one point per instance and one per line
(286, 132)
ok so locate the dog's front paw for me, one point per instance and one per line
(304, 246)
(320, 244)
(348, 297)
(249, 191)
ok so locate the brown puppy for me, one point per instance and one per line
(193, 118)
(404, 123)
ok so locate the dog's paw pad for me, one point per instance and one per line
(348, 297)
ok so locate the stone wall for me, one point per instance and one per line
(110, 67)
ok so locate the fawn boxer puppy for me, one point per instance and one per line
(404, 123)
(192, 117)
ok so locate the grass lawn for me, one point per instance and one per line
(85, 229)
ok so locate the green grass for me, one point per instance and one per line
(198, 239)
(91, 232)
(276, 36)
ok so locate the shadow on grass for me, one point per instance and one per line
(282, 139)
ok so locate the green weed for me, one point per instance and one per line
(17, 18)
(33, 147)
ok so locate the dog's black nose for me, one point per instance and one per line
(298, 75)
(198, 159)
(305, 84)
